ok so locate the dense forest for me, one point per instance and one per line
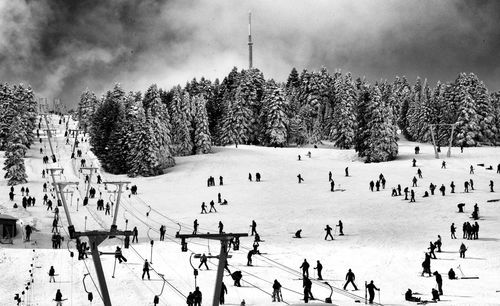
(139, 134)
(18, 112)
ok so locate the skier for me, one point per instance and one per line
(435, 295)
(119, 255)
(377, 185)
(203, 208)
(257, 177)
(221, 227)
(253, 226)
(346, 171)
(298, 233)
(394, 193)
(466, 186)
(442, 189)
(417, 149)
(189, 299)
(52, 273)
(212, 206)
(414, 180)
(99, 179)
(221, 180)
(22, 191)
(399, 189)
(350, 277)
(412, 196)
(197, 297)
(299, 177)
(319, 267)
(371, 185)
(439, 281)
(330, 176)
(341, 228)
(328, 230)
(332, 185)
(409, 296)
(443, 165)
(426, 265)
(419, 172)
(223, 291)
(491, 186)
(162, 232)
(452, 185)
(250, 176)
(237, 276)
(305, 269)
(107, 212)
(249, 257)
(471, 184)
(471, 170)
(371, 291)
(438, 244)
(462, 250)
(451, 274)
(28, 231)
(219, 198)
(195, 226)
(203, 261)
(406, 193)
(54, 225)
(432, 247)
(414, 161)
(299, 157)
(307, 284)
(277, 291)
(58, 298)
(135, 233)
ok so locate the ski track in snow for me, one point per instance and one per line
(385, 237)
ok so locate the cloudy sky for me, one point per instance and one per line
(61, 47)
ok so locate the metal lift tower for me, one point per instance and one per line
(250, 43)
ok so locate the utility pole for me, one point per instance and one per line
(96, 238)
(75, 134)
(224, 239)
(91, 170)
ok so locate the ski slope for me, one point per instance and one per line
(385, 237)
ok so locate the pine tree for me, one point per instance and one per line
(14, 168)
(236, 125)
(274, 116)
(486, 115)
(362, 137)
(202, 139)
(86, 108)
(344, 129)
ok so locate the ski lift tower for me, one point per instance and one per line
(75, 135)
(224, 239)
(96, 238)
(90, 171)
(49, 133)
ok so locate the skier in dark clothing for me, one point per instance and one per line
(212, 206)
(414, 181)
(257, 177)
(462, 250)
(471, 170)
(190, 299)
(442, 189)
(431, 249)
(438, 244)
(195, 226)
(439, 281)
(237, 276)
(197, 297)
(372, 184)
(249, 257)
(107, 212)
(414, 162)
(28, 232)
(330, 176)
(341, 228)
(58, 298)
(435, 295)
(203, 208)
(452, 185)
(307, 284)
(223, 291)
(419, 172)
(250, 177)
(221, 180)
(219, 198)
(135, 233)
(203, 261)
(412, 196)
(377, 185)
(298, 234)
(332, 185)
(221, 227)
(350, 277)
(52, 274)
(299, 177)
(162, 232)
(371, 291)
(409, 296)
(319, 268)
(394, 193)
(426, 265)
(145, 269)
(432, 187)
(119, 255)
(328, 230)
(347, 171)
(399, 189)
(277, 291)
(443, 165)
(491, 186)
(451, 274)
(453, 229)
(406, 190)
(466, 186)
(305, 269)
(254, 226)
(471, 184)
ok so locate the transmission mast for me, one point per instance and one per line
(250, 43)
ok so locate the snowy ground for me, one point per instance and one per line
(385, 237)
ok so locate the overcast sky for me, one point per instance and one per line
(61, 47)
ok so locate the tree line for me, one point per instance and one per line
(141, 134)
(18, 113)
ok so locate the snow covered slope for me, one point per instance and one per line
(385, 237)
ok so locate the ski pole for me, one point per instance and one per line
(379, 296)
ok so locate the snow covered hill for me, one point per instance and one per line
(385, 237)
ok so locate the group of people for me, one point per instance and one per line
(211, 181)
(379, 183)
(257, 177)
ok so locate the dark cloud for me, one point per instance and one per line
(62, 47)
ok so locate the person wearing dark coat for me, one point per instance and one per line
(190, 299)
(203, 261)
(307, 284)
(341, 228)
(257, 177)
(414, 162)
(52, 273)
(221, 227)
(332, 186)
(119, 255)
(451, 274)
(371, 291)
(442, 189)
(249, 257)
(350, 277)
(372, 184)
(203, 208)
(328, 230)
(431, 249)
(135, 233)
(237, 276)
(254, 227)
(298, 233)
(58, 298)
(221, 180)
(412, 196)
(145, 269)
(305, 268)
(439, 281)
(491, 186)
(276, 291)
(319, 268)
(406, 190)
(435, 295)
(195, 226)
(409, 296)
(299, 177)
(197, 297)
